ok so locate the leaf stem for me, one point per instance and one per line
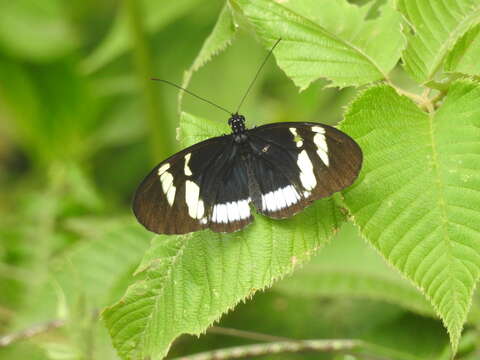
(245, 334)
(25, 334)
(254, 350)
(439, 97)
(331, 345)
(160, 141)
(422, 100)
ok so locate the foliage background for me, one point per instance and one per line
(81, 124)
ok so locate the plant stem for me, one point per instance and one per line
(295, 346)
(254, 350)
(422, 100)
(155, 114)
(245, 334)
(9, 339)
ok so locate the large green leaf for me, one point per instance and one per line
(436, 27)
(464, 56)
(347, 267)
(418, 199)
(334, 41)
(190, 281)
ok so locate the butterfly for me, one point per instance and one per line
(278, 169)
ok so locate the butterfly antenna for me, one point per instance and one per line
(258, 73)
(193, 94)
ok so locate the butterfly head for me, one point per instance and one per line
(237, 123)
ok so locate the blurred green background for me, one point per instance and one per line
(81, 124)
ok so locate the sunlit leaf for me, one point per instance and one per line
(191, 280)
(464, 56)
(333, 42)
(436, 26)
(418, 198)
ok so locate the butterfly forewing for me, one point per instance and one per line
(203, 186)
(297, 163)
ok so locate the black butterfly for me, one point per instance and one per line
(278, 168)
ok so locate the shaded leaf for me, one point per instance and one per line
(418, 197)
(347, 267)
(436, 27)
(97, 270)
(334, 42)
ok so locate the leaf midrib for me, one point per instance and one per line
(442, 204)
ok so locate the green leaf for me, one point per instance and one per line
(347, 267)
(436, 26)
(49, 129)
(418, 200)
(464, 56)
(156, 14)
(193, 130)
(191, 280)
(218, 40)
(36, 30)
(334, 42)
(100, 268)
(97, 270)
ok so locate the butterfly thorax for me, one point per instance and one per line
(237, 123)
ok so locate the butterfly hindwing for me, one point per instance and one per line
(297, 163)
(203, 186)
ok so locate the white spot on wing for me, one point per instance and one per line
(163, 168)
(296, 137)
(167, 185)
(171, 195)
(280, 199)
(307, 176)
(186, 168)
(220, 213)
(231, 211)
(318, 129)
(195, 205)
(322, 148)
